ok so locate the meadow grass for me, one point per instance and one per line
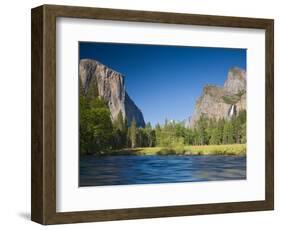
(229, 149)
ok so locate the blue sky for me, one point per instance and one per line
(165, 81)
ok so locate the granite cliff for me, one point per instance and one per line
(222, 102)
(98, 80)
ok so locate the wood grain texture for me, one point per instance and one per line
(44, 114)
(269, 114)
(37, 115)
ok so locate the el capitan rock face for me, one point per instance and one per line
(222, 102)
(97, 79)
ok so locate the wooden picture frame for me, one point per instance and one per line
(43, 208)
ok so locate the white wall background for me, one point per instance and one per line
(15, 113)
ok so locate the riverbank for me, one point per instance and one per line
(231, 149)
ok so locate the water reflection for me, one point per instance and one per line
(121, 170)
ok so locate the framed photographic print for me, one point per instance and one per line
(141, 114)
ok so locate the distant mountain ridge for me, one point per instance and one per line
(98, 80)
(222, 102)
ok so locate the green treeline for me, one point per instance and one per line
(99, 134)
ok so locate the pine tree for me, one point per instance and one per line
(215, 136)
(158, 134)
(243, 133)
(150, 135)
(120, 131)
(189, 136)
(202, 125)
(119, 123)
(133, 133)
(228, 133)
(236, 129)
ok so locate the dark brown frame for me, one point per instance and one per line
(43, 199)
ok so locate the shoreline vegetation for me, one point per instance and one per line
(198, 150)
(99, 135)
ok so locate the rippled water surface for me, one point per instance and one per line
(121, 170)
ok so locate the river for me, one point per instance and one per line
(124, 170)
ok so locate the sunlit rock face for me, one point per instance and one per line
(222, 102)
(236, 81)
(98, 80)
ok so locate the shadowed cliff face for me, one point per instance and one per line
(97, 80)
(222, 102)
(133, 112)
